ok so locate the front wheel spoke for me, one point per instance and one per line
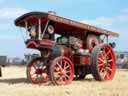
(59, 65)
(56, 74)
(38, 63)
(42, 65)
(67, 71)
(35, 66)
(44, 69)
(37, 77)
(66, 67)
(60, 79)
(64, 78)
(57, 69)
(33, 75)
(65, 64)
(41, 76)
(67, 76)
(57, 78)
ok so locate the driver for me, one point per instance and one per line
(32, 31)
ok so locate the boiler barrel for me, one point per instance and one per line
(59, 50)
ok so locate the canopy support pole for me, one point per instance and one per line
(39, 29)
(107, 38)
(26, 27)
(44, 29)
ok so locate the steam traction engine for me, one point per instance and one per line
(68, 49)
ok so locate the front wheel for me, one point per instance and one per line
(61, 71)
(37, 71)
(103, 62)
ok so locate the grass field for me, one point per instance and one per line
(14, 83)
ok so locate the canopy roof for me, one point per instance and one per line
(61, 24)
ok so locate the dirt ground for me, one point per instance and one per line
(14, 83)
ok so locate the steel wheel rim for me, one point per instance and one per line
(38, 72)
(106, 63)
(63, 72)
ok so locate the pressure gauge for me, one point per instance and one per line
(50, 29)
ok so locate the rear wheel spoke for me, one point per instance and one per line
(109, 69)
(100, 59)
(105, 74)
(107, 53)
(104, 52)
(100, 65)
(110, 60)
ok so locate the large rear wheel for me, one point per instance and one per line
(61, 71)
(37, 71)
(103, 62)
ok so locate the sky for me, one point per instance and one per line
(107, 14)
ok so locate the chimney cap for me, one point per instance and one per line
(52, 12)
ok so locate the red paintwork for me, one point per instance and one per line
(33, 72)
(37, 44)
(64, 51)
(48, 43)
(31, 44)
(84, 60)
(63, 68)
(61, 65)
(106, 56)
(32, 18)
